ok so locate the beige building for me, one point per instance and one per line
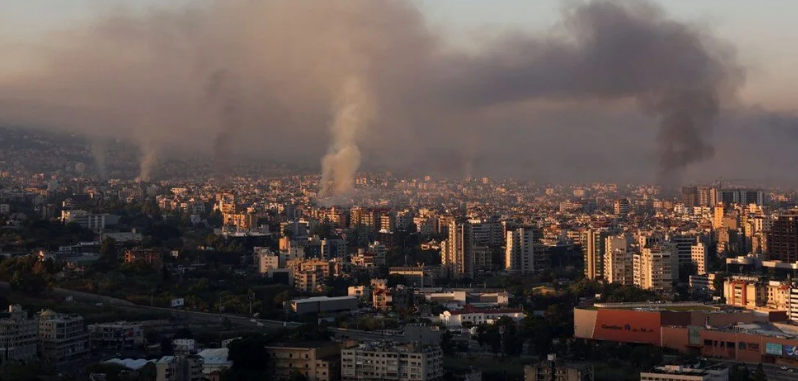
(308, 281)
(745, 291)
(62, 338)
(698, 255)
(318, 361)
(778, 295)
(380, 361)
(656, 268)
(18, 334)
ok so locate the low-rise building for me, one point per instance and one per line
(116, 335)
(716, 372)
(555, 370)
(150, 256)
(323, 304)
(416, 276)
(477, 316)
(62, 338)
(389, 361)
(317, 361)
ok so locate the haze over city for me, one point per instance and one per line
(550, 92)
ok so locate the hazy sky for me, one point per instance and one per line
(485, 100)
(760, 29)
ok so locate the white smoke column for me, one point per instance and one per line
(100, 151)
(354, 111)
(148, 159)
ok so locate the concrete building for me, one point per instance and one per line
(117, 335)
(782, 241)
(318, 361)
(267, 261)
(93, 222)
(323, 304)
(62, 338)
(656, 268)
(418, 277)
(622, 207)
(593, 251)
(520, 251)
(308, 281)
(617, 260)
(793, 305)
(18, 335)
(745, 291)
(477, 316)
(698, 255)
(717, 372)
(555, 370)
(458, 253)
(380, 361)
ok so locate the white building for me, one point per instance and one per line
(520, 251)
(656, 268)
(267, 261)
(388, 361)
(793, 305)
(5, 208)
(476, 316)
(184, 346)
(617, 260)
(93, 222)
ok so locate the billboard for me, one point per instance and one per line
(628, 326)
(791, 351)
(178, 302)
(773, 349)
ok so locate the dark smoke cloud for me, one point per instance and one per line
(231, 76)
(221, 90)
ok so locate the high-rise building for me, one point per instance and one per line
(377, 361)
(690, 196)
(520, 251)
(593, 252)
(782, 241)
(683, 243)
(617, 260)
(18, 335)
(62, 338)
(460, 249)
(656, 268)
(717, 216)
(622, 207)
(698, 255)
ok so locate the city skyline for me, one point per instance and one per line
(546, 135)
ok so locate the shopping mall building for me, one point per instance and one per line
(708, 331)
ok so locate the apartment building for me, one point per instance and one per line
(62, 338)
(18, 334)
(318, 361)
(380, 361)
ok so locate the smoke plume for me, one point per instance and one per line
(436, 104)
(340, 165)
(100, 152)
(221, 91)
